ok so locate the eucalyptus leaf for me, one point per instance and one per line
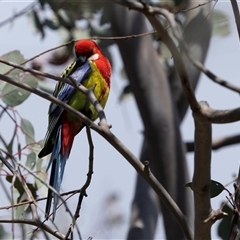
(38, 23)
(13, 95)
(43, 177)
(2, 84)
(17, 184)
(34, 147)
(3, 233)
(19, 213)
(10, 144)
(225, 223)
(126, 92)
(28, 130)
(220, 23)
(13, 56)
(31, 160)
(39, 165)
(215, 189)
(51, 24)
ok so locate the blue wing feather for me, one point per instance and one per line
(53, 139)
(63, 92)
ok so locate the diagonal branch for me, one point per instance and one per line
(104, 131)
(20, 13)
(210, 74)
(236, 15)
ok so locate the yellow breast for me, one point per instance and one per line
(100, 88)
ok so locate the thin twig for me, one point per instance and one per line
(217, 143)
(86, 185)
(236, 15)
(34, 72)
(73, 41)
(199, 5)
(35, 176)
(152, 15)
(20, 13)
(211, 75)
(37, 223)
(72, 193)
(119, 146)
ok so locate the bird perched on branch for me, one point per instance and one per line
(92, 69)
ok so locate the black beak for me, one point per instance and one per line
(81, 59)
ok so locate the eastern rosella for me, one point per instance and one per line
(92, 69)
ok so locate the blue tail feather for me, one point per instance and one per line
(58, 162)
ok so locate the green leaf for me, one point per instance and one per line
(125, 93)
(13, 56)
(21, 209)
(28, 130)
(3, 233)
(42, 3)
(43, 177)
(31, 160)
(44, 87)
(51, 24)
(17, 184)
(38, 23)
(224, 226)
(35, 147)
(13, 95)
(190, 185)
(176, 2)
(19, 151)
(39, 165)
(2, 84)
(65, 19)
(220, 22)
(215, 189)
(33, 190)
(10, 144)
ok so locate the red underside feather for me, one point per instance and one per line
(69, 130)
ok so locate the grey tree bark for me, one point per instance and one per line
(165, 150)
(162, 106)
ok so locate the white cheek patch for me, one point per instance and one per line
(94, 57)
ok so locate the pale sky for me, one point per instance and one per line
(112, 173)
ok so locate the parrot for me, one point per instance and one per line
(93, 70)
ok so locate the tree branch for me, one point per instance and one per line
(85, 186)
(211, 75)
(236, 15)
(151, 14)
(217, 143)
(20, 13)
(201, 176)
(36, 223)
(104, 131)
